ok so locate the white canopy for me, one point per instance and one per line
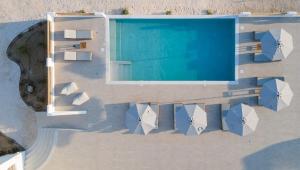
(141, 119)
(276, 94)
(190, 119)
(277, 44)
(241, 119)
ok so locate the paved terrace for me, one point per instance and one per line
(111, 147)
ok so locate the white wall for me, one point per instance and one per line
(16, 159)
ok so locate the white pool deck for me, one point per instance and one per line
(109, 146)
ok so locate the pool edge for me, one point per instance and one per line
(202, 82)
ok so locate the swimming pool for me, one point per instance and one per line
(172, 50)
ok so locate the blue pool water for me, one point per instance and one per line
(172, 49)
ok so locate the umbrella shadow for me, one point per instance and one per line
(112, 119)
(247, 58)
(251, 101)
(245, 37)
(243, 83)
(165, 118)
(213, 117)
(284, 155)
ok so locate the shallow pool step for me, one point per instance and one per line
(125, 72)
(122, 62)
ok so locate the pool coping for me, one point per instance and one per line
(202, 82)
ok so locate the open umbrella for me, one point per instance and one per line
(276, 94)
(190, 119)
(141, 119)
(277, 44)
(241, 119)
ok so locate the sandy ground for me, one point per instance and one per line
(16, 119)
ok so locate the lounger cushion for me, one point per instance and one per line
(69, 55)
(69, 89)
(70, 34)
(78, 34)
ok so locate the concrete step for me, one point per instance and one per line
(38, 153)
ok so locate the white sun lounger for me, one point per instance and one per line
(69, 89)
(78, 34)
(80, 99)
(78, 55)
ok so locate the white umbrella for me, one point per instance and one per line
(141, 119)
(277, 44)
(191, 119)
(241, 119)
(276, 94)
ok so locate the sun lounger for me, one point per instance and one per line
(69, 55)
(242, 92)
(80, 99)
(78, 55)
(258, 35)
(224, 111)
(84, 55)
(261, 58)
(69, 89)
(261, 80)
(155, 108)
(176, 108)
(78, 34)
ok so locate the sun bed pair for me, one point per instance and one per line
(78, 55)
(224, 110)
(78, 34)
(72, 88)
